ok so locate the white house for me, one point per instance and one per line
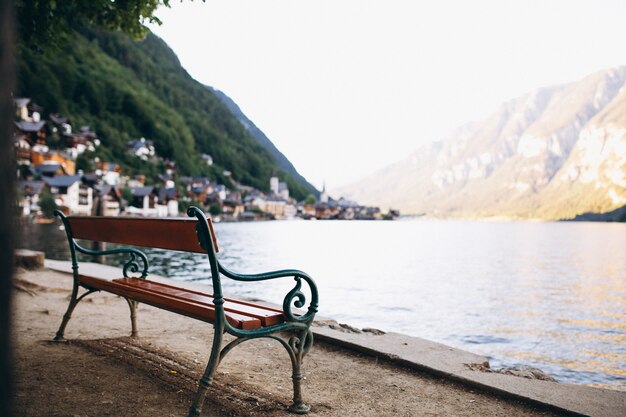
(207, 158)
(142, 148)
(144, 201)
(70, 192)
(167, 204)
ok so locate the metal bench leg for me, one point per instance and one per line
(74, 300)
(66, 317)
(133, 317)
(300, 345)
(209, 373)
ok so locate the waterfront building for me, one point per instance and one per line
(69, 192)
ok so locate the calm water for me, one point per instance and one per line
(550, 295)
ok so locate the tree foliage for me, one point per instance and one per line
(84, 162)
(310, 199)
(47, 203)
(49, 21)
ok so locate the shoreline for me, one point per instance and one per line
(423, 357)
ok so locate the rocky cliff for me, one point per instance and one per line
(554, 153)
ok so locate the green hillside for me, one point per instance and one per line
(126, 89)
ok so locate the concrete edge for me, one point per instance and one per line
(441, 361)
(434, 371)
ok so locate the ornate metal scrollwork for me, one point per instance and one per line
(298, 347)
(132, 266)
(296, 298)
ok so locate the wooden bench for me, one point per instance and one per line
(244, 320)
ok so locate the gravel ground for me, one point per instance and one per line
(103, 372)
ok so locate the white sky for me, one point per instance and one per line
(344, 88)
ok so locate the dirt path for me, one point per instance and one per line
(102, 372)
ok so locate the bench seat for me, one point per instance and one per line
(240, 314)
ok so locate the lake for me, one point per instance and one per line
(548, 295)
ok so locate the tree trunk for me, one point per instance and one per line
(7, 203)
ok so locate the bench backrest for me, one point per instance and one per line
(174, 234)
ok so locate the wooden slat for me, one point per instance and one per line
(186, 302)
(174, 234)
(268, 316)
(186, 308)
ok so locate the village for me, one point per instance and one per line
(51, 178)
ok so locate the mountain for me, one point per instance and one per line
(127, 89)
(263, 140)
(554, 153)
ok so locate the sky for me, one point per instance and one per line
(346, 87)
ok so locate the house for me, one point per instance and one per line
(49, 169)
(232, 207)
(254, 201)
(26, 110)
(346, 213)
(142, 148)
(215, 194)
(144, 201)
(307, 211)
(60, 123)
(167, 202)
(290, 210)
(91, 179)
(84, 140)
(369, 213)
(22, 149)
(326, 211)
(109, 200)
(220, 190)
(275, 208)
(69, 191)
(110, 172)
(207, 158)
(34, 130)
(199, 189)
(30, 191)
(69, 165)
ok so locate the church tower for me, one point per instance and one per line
(324, 194)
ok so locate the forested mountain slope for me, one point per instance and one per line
(258, 134)
(126, 89)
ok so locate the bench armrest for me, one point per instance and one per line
(129, 266)
(294, 297)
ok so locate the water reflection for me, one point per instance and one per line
(550, 295)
